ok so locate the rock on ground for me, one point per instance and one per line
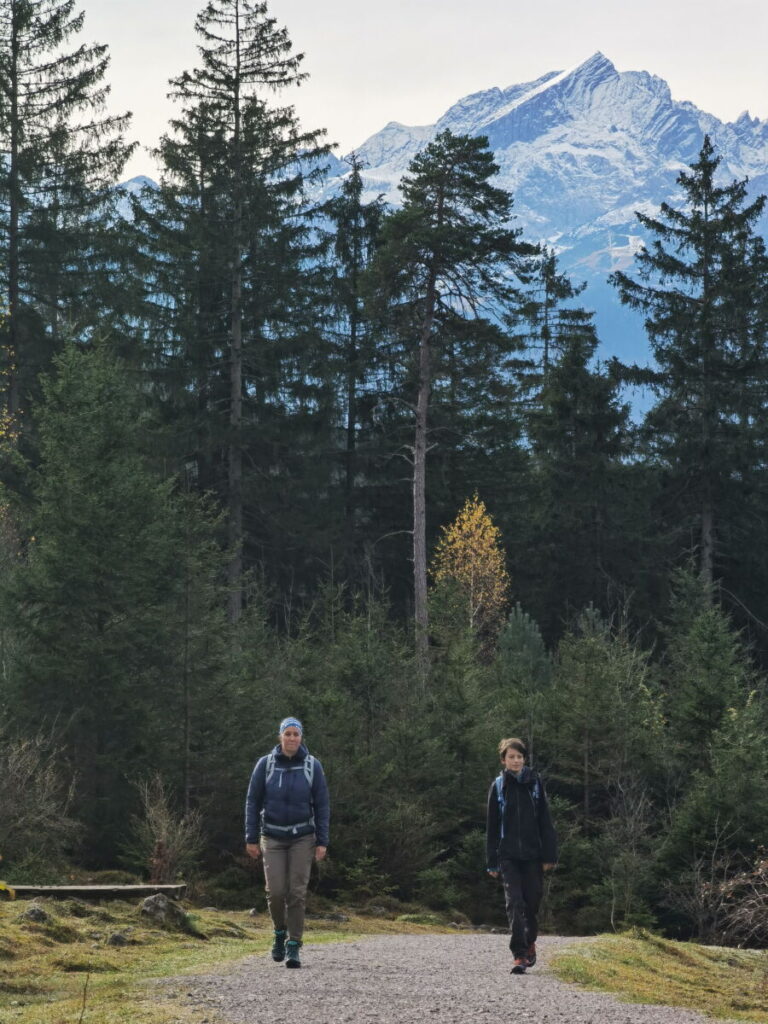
(410, 979)
(35, 914)
(163, 911)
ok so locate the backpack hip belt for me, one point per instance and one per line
(289, 828)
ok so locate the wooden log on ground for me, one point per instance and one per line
(98, 892)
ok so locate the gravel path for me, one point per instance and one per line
(405, 979)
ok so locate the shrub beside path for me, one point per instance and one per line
(410, 979)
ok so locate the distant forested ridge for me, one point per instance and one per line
(263, 454)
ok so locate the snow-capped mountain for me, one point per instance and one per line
(132, 188)
(580, 151)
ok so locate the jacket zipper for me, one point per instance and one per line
(519, 836)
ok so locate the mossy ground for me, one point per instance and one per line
(44, 968)
(640, 967)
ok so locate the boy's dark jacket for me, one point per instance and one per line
(528, 832)
(287, 800)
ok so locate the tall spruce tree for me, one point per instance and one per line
(575, 548)
(226, 241)
(520, 678)
(547, 320)
(61, 155)
(707, 668)
(599, 734)
(355, 227)
(446, 258)
(719, 825)
(604, 714)
(702, 287)
(100, 618)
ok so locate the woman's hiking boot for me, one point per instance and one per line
(278, 946)
(530, 954)
(519, 965)
(292, 958)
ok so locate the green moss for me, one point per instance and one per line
(76, 908)
(12, 987)
(418, 919)
(50, 978)
(645, 968)
(91, 965)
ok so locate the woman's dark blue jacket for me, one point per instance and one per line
(286, 806)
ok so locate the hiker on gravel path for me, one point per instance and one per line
(287, 813)
(520, 846)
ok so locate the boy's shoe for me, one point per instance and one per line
(278, 946)
(292, 948)
(530, 954)
(519, 965)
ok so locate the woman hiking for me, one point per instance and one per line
(520, 846)
(287, 813)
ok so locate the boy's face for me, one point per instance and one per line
(513, 760)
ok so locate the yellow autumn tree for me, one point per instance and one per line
(470, 555)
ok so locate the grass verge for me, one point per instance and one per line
(640, 967)
(64, 970)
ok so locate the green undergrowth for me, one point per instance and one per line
(640, 967)
(64, 971)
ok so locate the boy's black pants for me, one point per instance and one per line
(523, 888)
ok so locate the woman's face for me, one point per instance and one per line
(513, 760)
(290, 740)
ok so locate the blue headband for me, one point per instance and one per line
(287, 722)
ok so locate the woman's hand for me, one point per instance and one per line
(320, 852)
(494, 874)
(253, 850)
(548, 867)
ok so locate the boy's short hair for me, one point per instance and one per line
(515, 744)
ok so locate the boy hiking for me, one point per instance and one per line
(520, 845)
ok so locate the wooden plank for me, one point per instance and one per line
(98, 892)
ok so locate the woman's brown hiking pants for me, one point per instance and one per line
(287, 866)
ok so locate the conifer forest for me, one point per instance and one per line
(264, 455)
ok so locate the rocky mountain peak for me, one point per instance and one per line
(581, 150)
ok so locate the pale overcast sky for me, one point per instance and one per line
(409, 60)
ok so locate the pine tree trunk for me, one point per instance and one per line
(187, 723)
(707, 554)
(421, 610)
(586, 781)
(235, 532)
(707, 562)
(235, 481)
(349, 511)
(13, 354)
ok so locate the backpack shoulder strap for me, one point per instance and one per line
(309, 769)
(536, 792)
(499, 784)
(270, 766)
